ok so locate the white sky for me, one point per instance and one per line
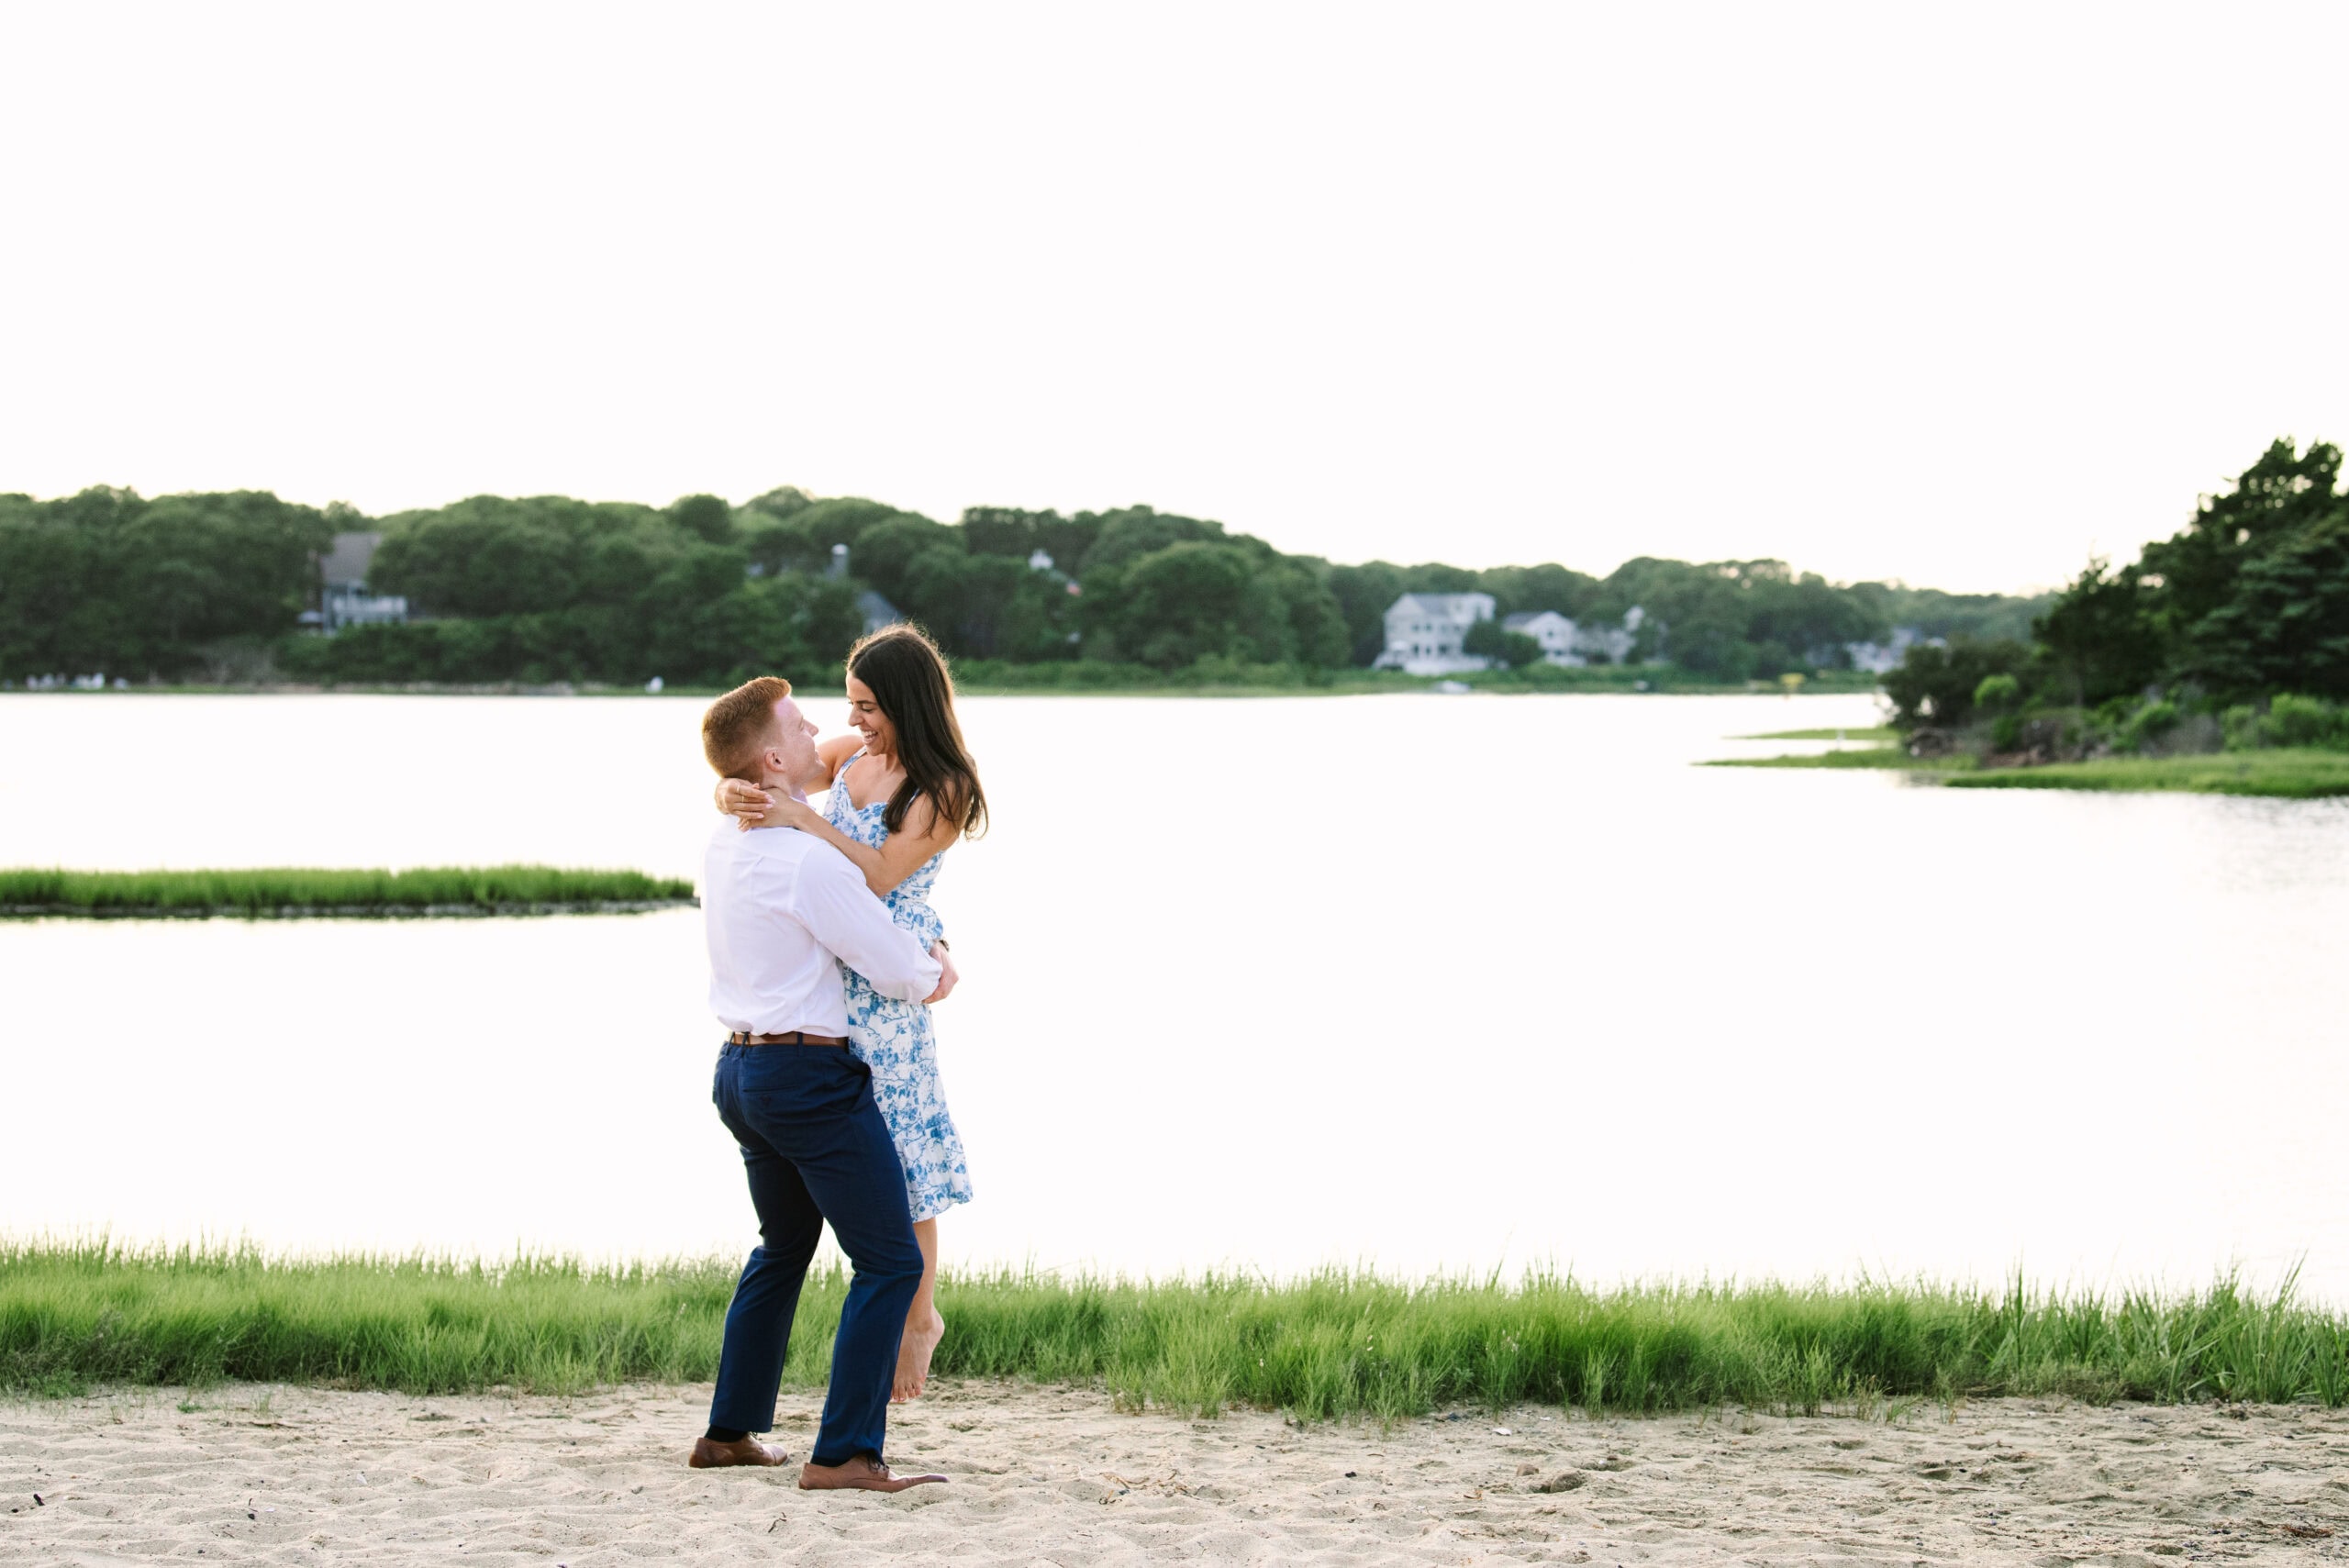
(1954, 294)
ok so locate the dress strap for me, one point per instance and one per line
(840, 778)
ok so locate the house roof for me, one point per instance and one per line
(1524, 618)
(349, 559)
(1448, 606)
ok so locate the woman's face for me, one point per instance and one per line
(864, 713)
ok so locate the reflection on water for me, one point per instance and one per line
(1411, 981)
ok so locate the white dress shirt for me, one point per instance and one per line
(782, 911)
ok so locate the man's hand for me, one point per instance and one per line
(946, 975)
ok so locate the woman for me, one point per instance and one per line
(902, 790)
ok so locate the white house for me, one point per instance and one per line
(1614, 643)
(1425, 633)
(1553, 632)
(343, 598)
(1564, 642)
(1876, 658)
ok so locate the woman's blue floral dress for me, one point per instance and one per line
(895, 1039)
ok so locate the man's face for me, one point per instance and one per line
(792, 758)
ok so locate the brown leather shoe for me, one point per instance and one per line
(863, 1474)
(709, 1455)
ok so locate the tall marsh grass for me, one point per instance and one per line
(2303, 773)
(1853, 757)
(1334, 1345)
(271, 890)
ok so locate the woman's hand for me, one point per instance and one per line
(786, 812)
(741, 799)
(947, 978)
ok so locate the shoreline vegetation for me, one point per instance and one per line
(244, 588)
(1337, 1344)
(292, 893)
(2282, 773)
(1849, 732)
(983, 678)
(1894, 757)
(2215, 663)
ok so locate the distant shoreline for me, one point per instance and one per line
(1619, 680)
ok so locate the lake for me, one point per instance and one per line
(1417, 982)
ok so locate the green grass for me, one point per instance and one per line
(2293, 774)
(1335, 1345)
(1871, 757)
(2298, 773)
(456, 889)
(1857, 732)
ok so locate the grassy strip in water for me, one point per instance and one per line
(269, 891)
(1857, 732)
(1869, 757)
(1337, 1344)
(2297, 773)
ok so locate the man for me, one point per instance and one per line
(782, 910)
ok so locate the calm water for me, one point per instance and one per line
(1415, 981)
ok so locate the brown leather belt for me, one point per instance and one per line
(796, 1037)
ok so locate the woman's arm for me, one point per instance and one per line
(901, 854)
(835, 752)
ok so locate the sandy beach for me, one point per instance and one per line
(257, 1475)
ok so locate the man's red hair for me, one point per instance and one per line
(741, 725)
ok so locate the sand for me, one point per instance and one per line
(255, 1475)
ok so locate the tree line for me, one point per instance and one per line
(703, 592)
(2194, 644)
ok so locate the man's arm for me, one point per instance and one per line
(831, 900)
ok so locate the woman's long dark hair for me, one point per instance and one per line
(908, 678)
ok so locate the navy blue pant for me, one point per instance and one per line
(816, 1149)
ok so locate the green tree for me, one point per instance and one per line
(107, 581)
(2196, 569)
(1529, 590)
(706, 517)
(1127, 535)
(1174, 605)
(2285, 624)
(1364, 595)
(886, 551)
(1936, 685)
(487, 555)
(2101, 637)
(991, 606)
(1491, 639)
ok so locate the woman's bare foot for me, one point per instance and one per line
(913, 1357)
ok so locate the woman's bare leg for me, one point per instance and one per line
(924, 1327)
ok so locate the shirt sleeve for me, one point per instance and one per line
(840, 912)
